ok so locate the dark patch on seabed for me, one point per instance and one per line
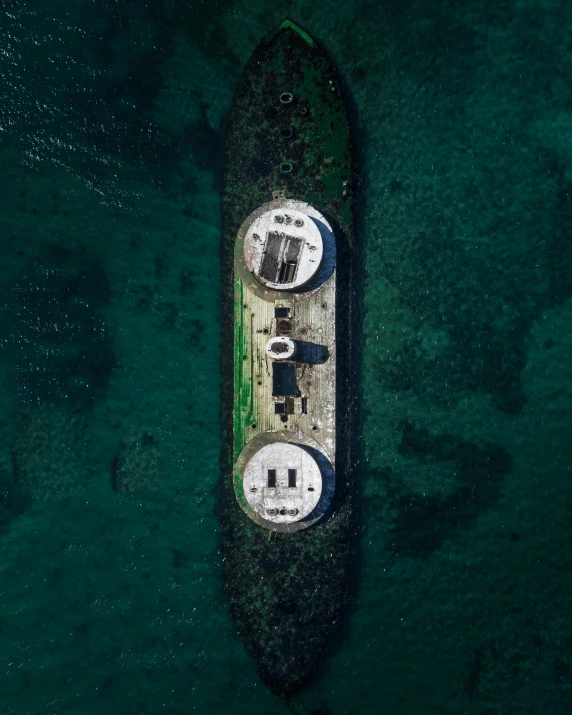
(424, 522)
(54, 331)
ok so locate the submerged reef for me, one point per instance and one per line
(137, 464)
(50, 455)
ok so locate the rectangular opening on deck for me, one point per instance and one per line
(280, 259)
(271, 478)
(281, 312)
(287, 272)
(271, 259)
(304, 405)
(291, 478)
(284, 379)
(279, 408)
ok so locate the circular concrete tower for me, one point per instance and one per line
(282, 482)
(283, 249)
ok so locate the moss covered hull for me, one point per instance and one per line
(288, 131)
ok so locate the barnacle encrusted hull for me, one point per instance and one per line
(288, 131)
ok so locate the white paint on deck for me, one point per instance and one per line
(282, 482)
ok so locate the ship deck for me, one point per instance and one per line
(311, 410)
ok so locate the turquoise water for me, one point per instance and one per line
(111, 126)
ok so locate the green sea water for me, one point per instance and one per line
(112, 118)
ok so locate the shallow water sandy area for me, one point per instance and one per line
(111, 127)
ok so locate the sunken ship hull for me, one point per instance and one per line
(288, 149)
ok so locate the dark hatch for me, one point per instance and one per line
(284, 379)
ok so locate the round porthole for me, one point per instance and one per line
(286, 97)
(298, 222)
(286, 167)
(286, 133)
(278, 218)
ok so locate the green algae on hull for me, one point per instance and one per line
(286, 592)
(293, 26)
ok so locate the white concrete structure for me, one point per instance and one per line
(283, 248)
(287, 394)
(282, 482)
(280, 348)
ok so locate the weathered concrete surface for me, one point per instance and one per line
(287, 499)
(289, 224)
(328, 478)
